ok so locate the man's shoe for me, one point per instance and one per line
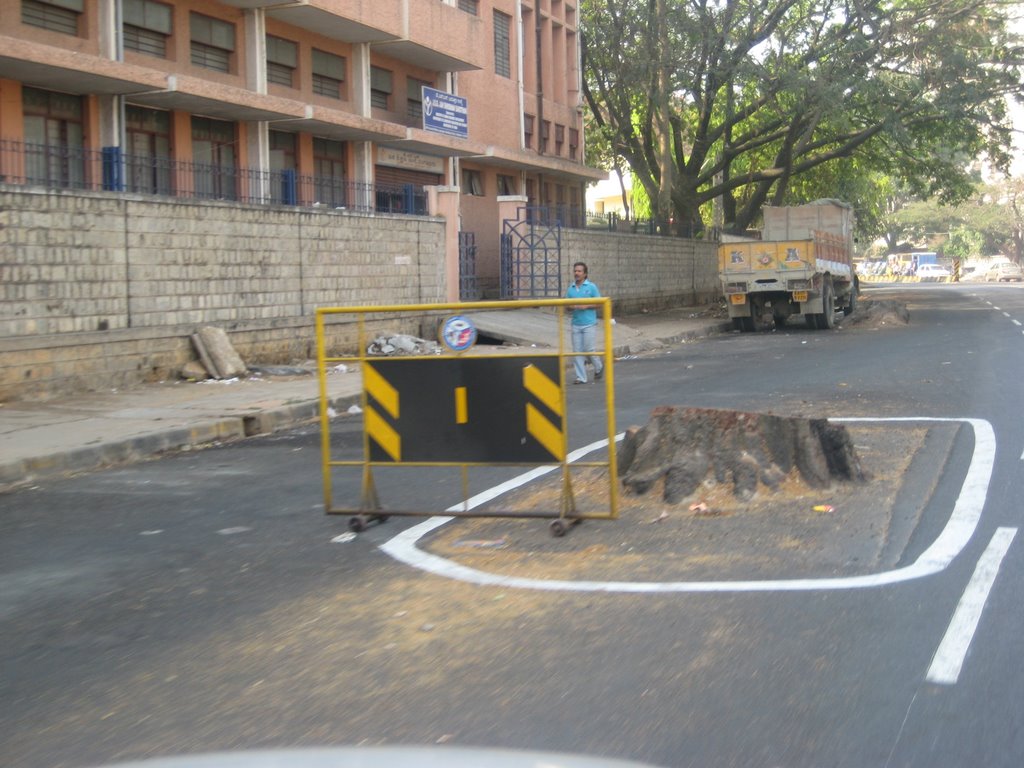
(580, 381)
(599, 375)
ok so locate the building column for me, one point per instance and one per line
(257, 139)
(362, 151)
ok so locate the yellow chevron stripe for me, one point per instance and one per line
(461, 408)
(383, 434)
(546, 433)
(382, 391)
(543, 388)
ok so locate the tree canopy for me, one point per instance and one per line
(742, 103)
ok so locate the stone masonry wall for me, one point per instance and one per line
(641, 272)
(104, 291)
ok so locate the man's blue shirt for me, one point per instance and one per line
(586, 290)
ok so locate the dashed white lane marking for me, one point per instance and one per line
(950, 655)
(1006, 314)
(948, 544)
(1015, 322)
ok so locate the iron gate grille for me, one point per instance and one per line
(531, 255)
(469, 285)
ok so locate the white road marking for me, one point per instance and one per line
(948, 544)
(1006, 314)
(1015, 322)
(950, 655)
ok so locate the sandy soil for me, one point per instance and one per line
(792, 532)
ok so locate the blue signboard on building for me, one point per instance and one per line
(445, 113)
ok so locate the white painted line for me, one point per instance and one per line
(949, 658)
(1006, 314)
(1015, 322)
(949, 543)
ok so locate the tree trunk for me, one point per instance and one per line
(693, 448)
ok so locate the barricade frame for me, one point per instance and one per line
(370, 509)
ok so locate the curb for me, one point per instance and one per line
(17, 474)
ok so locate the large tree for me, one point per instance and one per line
(733, 100)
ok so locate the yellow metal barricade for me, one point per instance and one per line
(462, 408)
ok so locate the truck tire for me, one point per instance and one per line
(827, 318)
(851, 302)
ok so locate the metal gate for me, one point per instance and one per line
(469, 285)
(531, 256)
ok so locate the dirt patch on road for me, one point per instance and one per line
(792, 532)
(873, 314)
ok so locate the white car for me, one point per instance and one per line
(932, 271)
(1005, 272)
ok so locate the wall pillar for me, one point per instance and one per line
(444, 202)
(508, 208)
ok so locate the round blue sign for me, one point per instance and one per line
(458, 333)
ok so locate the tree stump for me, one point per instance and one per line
(693, 448)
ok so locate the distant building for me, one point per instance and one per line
(605, 196)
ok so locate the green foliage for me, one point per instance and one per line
(963, 243)
(779, 101)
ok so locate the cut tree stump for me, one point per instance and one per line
(694, 448)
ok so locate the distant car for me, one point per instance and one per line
(1006, 272)
(932, 270)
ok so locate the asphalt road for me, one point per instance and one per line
(200, 602)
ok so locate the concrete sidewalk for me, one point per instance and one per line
(86, 432)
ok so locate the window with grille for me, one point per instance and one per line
(506, 184)
(545, 133)
(574, 142)
(329, 172)
(213, 42)
(147, 25)
(380, 87)
(328, 74)
(54, 138)
(559, 138)
(282, 59)
(472, 183)
(54, 15)
(528, 131)
(470, 6)
(414, 99)
(214, 161)
(502, 54)
(148, 150)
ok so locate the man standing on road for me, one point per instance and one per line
(584, 323)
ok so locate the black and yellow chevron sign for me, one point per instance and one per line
(473, 410)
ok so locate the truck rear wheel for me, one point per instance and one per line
(851, 300)
(827, 318)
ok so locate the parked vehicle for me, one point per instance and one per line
(932, 272)
(803, 265)
(1005, 272)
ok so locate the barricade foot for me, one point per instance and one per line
(359, 523)
(561, 526)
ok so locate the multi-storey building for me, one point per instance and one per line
(340, 103)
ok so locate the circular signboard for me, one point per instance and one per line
(458, 333)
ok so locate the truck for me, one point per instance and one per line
(803, 264)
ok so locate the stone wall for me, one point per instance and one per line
(642, 272)
(103, 291)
